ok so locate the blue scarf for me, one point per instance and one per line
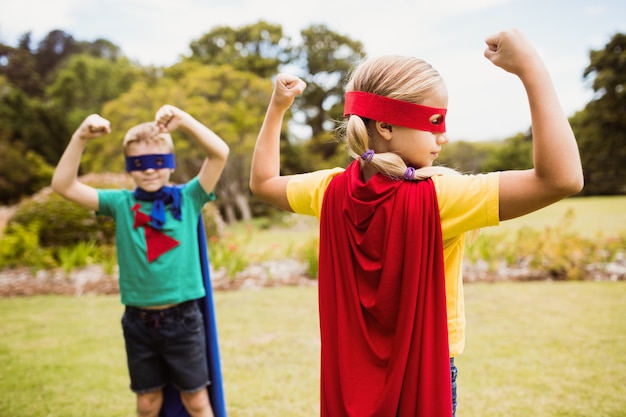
(166, 195)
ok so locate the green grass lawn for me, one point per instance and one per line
(533, 349)
(591, 216)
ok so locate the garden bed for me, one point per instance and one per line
(94, 280)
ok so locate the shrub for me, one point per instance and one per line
(554, 252)
(64, 223)
(213, 223)
(82, 254)
(19, 246)
(225, 253)
(310, 254)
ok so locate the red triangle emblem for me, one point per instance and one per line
(158, 243)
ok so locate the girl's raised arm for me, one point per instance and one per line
(265, 179)
(557, 171)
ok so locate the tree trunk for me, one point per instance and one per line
(229, 213)
(241, 200)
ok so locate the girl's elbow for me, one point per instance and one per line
(579, 184)
(255, 187)
(571, 186)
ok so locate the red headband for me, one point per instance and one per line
(396, 112)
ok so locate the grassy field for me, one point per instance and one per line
(591, 216)
(533, 349)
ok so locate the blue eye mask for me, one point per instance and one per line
(154, 161)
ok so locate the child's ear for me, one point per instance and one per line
(385, 130)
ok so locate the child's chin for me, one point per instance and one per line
(151, 187)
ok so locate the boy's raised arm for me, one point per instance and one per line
(65, 178)
(170, 118)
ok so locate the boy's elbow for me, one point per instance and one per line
(56, 186)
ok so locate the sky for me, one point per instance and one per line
(485, 102)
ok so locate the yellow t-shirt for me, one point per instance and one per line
(466, 202)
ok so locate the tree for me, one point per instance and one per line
(22, 171)
(601, 127)
(84, 83)
(466, 157)
(260, 48)
(53, 50)
(232, 103)
(326, 58)
(513, 153)
(18, 65)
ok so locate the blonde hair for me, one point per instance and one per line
(145, 132)
(402, 78)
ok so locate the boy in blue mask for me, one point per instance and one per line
(160, 275)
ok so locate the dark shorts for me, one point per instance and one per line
(166, 346)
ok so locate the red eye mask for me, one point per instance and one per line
(395, 112)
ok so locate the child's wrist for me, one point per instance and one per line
(77, 137)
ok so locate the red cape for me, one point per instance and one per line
(382, 300)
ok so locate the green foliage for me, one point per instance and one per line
(47, 89)
(80, 255)
(21, 67)
(85, 83)
(225, 253)
(22, 172)
(466, 157)
(212, 221)
(86, 253)
(231, 103)
(555, 251)
(45, 92)
(328, 58)
(19, 246)
(310, 254)
(64, 223)
(513, 153)
(601, 127)
(260, 48)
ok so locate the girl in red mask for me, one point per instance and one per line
(392, 225)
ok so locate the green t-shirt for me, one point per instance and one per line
(176, 275)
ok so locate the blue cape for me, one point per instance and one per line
(172, 404)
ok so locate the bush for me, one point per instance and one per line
(213, 223)
(225, 253)
(64, 223)
(19, 246)
(310, 254)
(554, 252)
(22, 172)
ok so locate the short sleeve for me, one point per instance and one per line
(467, 202)
(305, 192)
